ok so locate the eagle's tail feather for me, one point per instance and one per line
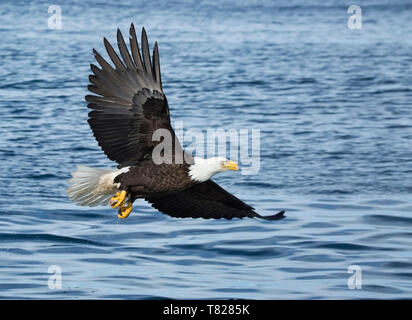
(91, 186)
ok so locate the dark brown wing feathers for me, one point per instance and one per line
(206, 200)
(128, 104)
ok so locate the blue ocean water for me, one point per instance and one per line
(333, 106)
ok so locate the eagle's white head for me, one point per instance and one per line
(203, 169)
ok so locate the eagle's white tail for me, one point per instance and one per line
(93, 186)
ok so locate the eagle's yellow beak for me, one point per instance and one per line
(231, 165)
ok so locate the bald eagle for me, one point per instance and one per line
(127, 106)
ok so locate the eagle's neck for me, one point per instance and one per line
(203, 169)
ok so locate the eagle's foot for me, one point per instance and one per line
(124, 211)
(118, 199)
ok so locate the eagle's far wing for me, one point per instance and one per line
(205, 200)
(129, 103)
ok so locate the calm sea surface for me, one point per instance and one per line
(334, 110)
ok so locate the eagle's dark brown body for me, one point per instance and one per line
(146, 179)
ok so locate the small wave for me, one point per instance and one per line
(32, 237)
(388, 220)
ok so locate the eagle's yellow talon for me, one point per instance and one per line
(118, 199)
(124, 211)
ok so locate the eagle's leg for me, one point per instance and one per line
(124, 211)
(118, 199)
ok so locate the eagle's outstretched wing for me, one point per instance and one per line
(206, 200)
(129, 103)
